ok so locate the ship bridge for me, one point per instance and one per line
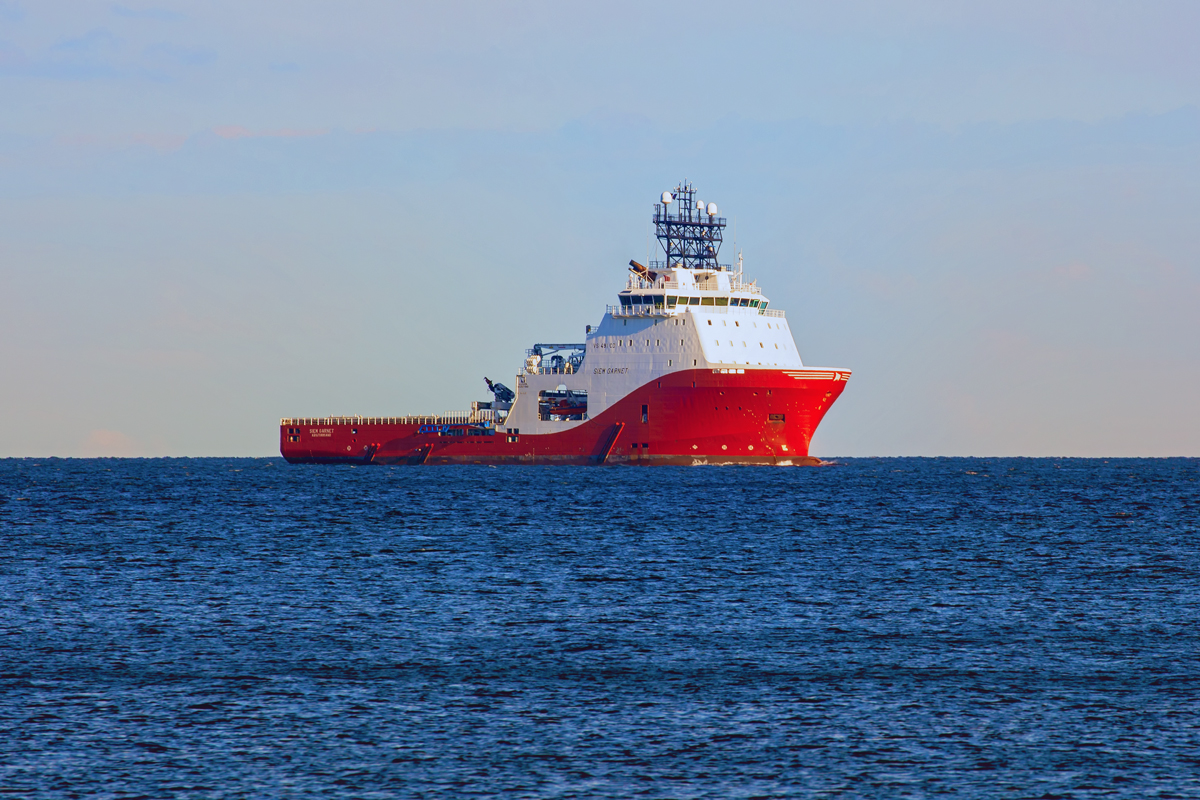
(690, 233)
(678, 290)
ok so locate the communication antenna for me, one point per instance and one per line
(691, 233)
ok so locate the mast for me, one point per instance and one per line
(691, 237)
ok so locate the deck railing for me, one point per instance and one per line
(449, 418)
(567, 370)
(657, 311)
(663, 311)
(638, 311)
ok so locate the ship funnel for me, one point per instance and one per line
(667, 198)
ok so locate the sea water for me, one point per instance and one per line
(221, 628)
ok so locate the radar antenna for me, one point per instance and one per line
(692, 236)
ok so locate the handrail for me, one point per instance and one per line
(550, 371)
(664, 311)
(449, 418)
(637, 311)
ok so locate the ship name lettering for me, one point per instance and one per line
(610, 371)
(320, 431)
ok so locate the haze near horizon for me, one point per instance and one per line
(216, 214)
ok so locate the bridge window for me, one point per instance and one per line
(694, 301)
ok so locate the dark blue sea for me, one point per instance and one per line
(885, 628)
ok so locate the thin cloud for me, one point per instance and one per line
(175, 55)
(91, 42)
(11, 55)
(157, 14)
(238, 132)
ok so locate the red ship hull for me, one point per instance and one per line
(762, 416)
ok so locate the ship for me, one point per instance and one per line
(691, 365)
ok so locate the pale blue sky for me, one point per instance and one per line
(216, 214)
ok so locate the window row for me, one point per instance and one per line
(671, 301)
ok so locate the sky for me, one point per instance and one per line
(214, 215)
